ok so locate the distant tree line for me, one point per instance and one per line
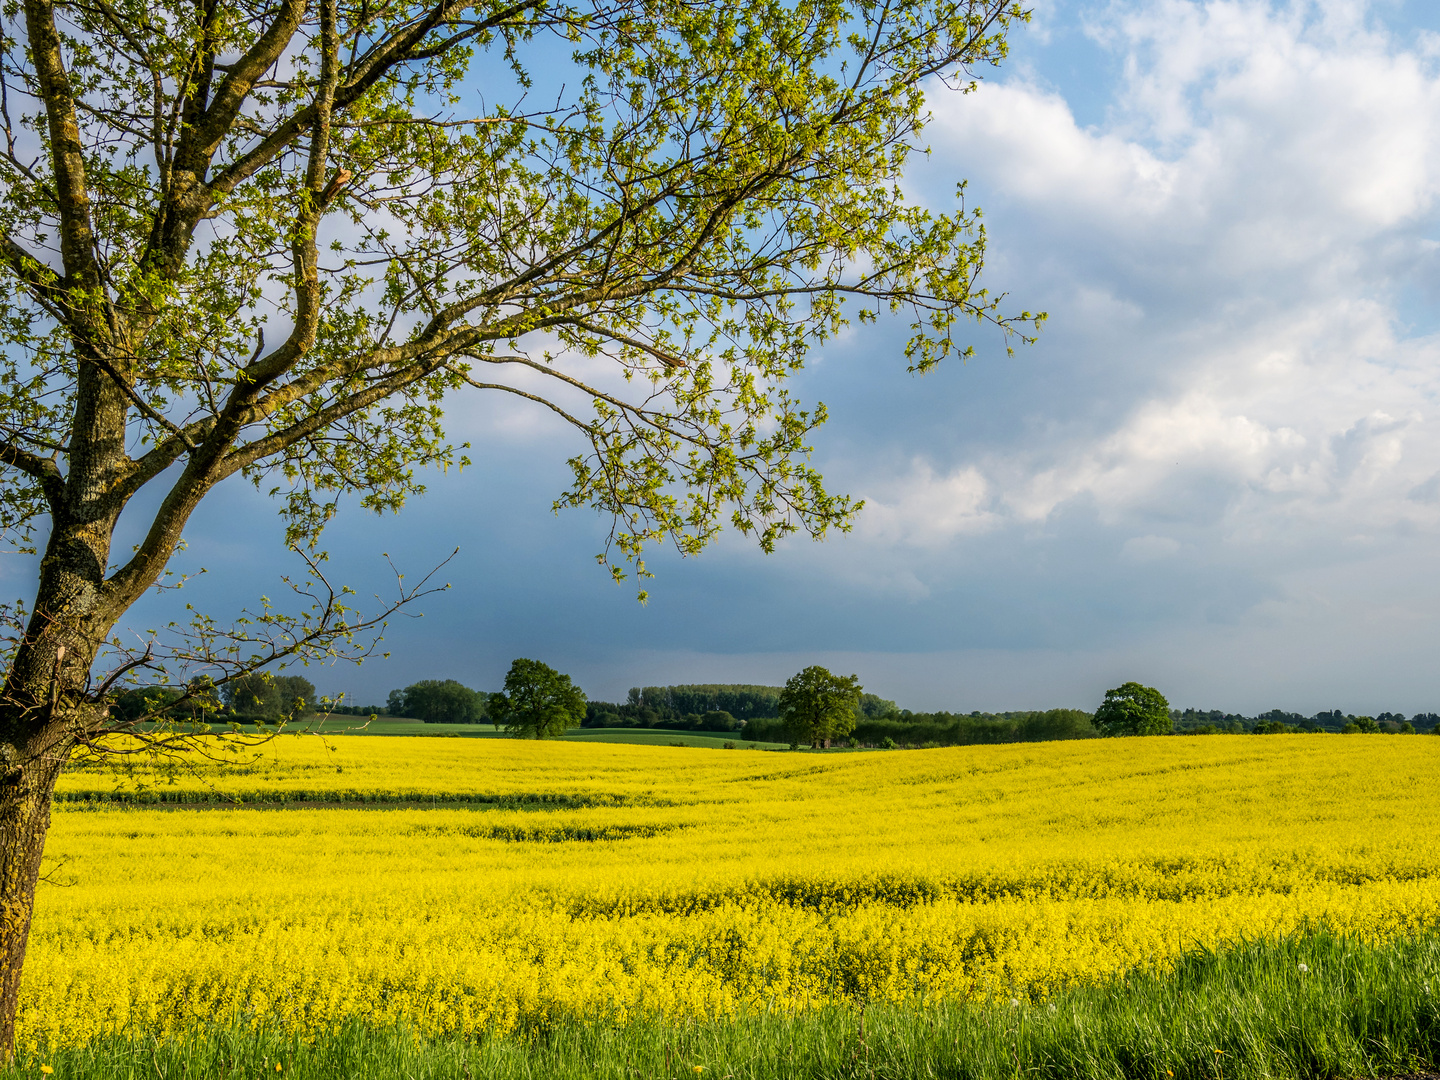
(159, 702)
(256, 698)
(269, 696)
(265, 698)
(1279, 722)
(438, 701)
(1133, 709)
(537, 702)
(433, 701)
(754, 711)
(705, 707)
(741, 700)
(814, 708)
(905, 728)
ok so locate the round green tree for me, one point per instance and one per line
(1133, 709)
(818, 706)
(537, 701)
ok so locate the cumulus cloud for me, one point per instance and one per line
(923, 509)
(1231, 420)
(1224, 256)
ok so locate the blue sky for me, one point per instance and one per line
(1217, 473)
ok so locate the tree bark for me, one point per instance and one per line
(42, 711)
(28, 771)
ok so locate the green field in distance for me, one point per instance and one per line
(389, 725)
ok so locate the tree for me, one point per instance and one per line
(144, 701)
(872, 706)
(818, 706)
(1133, 709)
(696, 205)
(1360, 725)
(718, 720)
(1272, 727)
(438, 702)
(537, 701)
(263, 694)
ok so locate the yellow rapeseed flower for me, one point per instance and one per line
(628, 881)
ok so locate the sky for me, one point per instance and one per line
(1217, 473)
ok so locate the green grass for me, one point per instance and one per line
(663, 737)
(386, 725)
(383, 725)
(356, 725)
(1250, 1013)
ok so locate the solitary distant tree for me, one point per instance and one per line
(1133, 709)
(818, 706)
(537, 701)
(263, 241)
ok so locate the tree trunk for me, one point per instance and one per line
(42, 711)
(27, 778)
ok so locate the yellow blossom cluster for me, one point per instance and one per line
(455, 885)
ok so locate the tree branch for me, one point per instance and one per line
(201, 141)
(77, 244)
(214, 461)
(671, 362)
(140, 403)
(41, 468)
(44, 284)
(581, 424)
(244, 456)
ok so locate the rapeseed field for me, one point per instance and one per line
(456, 886)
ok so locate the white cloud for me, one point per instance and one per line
(1047, 159)
(923, 509)
(1231, 245)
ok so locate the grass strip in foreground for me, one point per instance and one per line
(1315, 1006)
